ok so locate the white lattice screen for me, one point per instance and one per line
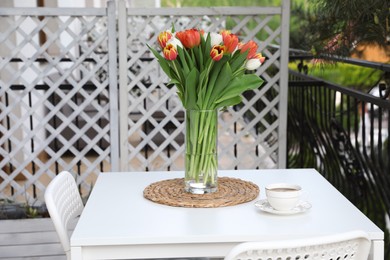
(62, 109)
(54, 97)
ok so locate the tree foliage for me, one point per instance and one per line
(339, 26)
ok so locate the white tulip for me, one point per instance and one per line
(215, 38)
(252, 64)
(175, 42)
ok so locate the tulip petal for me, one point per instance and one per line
(217, 52)
(252, 64)
(170, 52)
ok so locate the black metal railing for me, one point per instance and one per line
(343, 133)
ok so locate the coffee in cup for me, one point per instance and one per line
(283, 196)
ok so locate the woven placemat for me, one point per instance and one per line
(231, 191)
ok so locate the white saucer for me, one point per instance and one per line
(300, 208)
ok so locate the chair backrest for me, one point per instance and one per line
(63, 201)
(351, 245)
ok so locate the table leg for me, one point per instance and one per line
(75, 252)
(377, 251)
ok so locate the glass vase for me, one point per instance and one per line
(201, 163)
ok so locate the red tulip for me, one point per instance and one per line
(170, 52)
(230, 41)
(251, 46)
(189, 38)
(217, 52)
(163, 38)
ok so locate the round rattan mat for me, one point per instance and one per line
(231, 191)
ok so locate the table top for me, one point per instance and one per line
(118, 214)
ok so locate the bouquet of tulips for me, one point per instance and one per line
(209, 71)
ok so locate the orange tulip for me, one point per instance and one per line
(163, 38)
(170, 52)
(230, 41)
(222, 32)
(189, 38)
(251, 46)
(217, 52)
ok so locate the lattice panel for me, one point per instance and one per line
(54, 104)
(248, 133)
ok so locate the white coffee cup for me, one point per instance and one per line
(283, 196)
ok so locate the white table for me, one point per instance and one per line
(118, 222)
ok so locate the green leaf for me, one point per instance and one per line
(238, 61)
(214, 72)
(207, 47)
(223, 80)
(193, 57)
(199, 57)
(190, 61)
(177, 84)
(203, 44)
(178, 71)
(180, 95)
(238, 85)
(229, 102)
(190, 89)
(182, 61)
(203, 79)
(162, 61)
(205, 51)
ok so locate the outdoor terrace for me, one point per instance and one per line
(90, 98)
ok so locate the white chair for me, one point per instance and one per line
(351, 245)
(63, 201)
